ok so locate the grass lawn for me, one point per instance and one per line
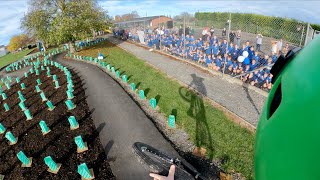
(9, 58)
(208, 127)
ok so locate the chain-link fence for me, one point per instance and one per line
(244, 46)
(309, 34)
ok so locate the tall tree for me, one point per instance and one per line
(60, 21)
(18, 41)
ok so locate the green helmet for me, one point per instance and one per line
(288, 135)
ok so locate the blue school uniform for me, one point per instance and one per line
(257, 58)
(208, 50)
(196, 57)
(230, 50)
(218, 62)
(150, 43)
(208, 60)
(216, 50)
(274, 58)
(253, 66)
(250, 54)
(234, 65)
(229, 63)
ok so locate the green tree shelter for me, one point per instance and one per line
(63, 21)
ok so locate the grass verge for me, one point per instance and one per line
(207, 126)
(9, 58)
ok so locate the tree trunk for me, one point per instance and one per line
(71, 47)
(44, 47)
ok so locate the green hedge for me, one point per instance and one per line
(275, 27)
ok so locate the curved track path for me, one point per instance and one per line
(119, 120)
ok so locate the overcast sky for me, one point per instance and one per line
(12, 11)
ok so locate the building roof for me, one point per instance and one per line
(140, 19)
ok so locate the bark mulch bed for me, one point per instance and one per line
(59, 143)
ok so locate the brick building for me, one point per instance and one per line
(152, 21)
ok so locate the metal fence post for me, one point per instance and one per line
(307, 35)
(159, 33)
(184, 34)
(228, 33)
(301, 36)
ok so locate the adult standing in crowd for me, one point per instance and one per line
(259, 42)
(274, 47)
(211, 31)
(286, 49)
(180, 31)
(232, 35)
(188, 30)
(238, 37)
(279, 47)
(224, 32)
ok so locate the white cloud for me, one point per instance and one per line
(11, 13)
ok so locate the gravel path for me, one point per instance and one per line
(238, 99)
(120, 121)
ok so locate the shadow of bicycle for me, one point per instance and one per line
(197, 111)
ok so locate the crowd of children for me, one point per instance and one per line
(216, 54)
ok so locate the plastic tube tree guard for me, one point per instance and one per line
(10, 137)
(141, 94)
(133, 87)
(70, 105)
(118, 74)
(38, 81)
(9, 78)
(108, 67)
(2, 129)
(125, 78)
(171, 121)
(53, 167)
(73, 123)
(7, 85)
(4, 96)
(44, 128)
(23, 86)
(38, 89)
(70, 88)
(153, 103)
(22, 106)
(42, 68)
(85, 172)
(70, 83)
(26, 162)
(17, 80)
(20, 93)
(28, 114)
(43, 97)
(25, 74)
(6, 107)
(81, 146)
(70, 95)
(22, 99)
(37, 72)
(31, 71)
(50, 105)
(56, 83)
(113, 70)
(54, 77)
(48, 74)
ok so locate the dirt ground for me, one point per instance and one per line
(59, 143)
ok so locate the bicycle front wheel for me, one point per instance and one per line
(158, 162)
